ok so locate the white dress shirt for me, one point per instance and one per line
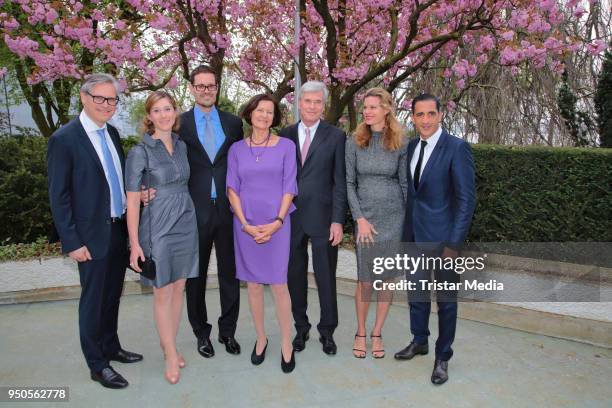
(431, 144)
(302, 132)
(91, 128)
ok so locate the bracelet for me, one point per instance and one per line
(243, 226)
(279, 219)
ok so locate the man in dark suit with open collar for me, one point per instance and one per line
(439, 210)
(85, 165)
(321, 206)
(209, 133)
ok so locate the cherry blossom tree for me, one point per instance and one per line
(53, 45)
(388, 41)
(349, 44)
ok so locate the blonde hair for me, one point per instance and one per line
(147, 126)
(392, 132)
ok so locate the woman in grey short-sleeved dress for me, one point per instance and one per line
(377, 185)
(171, 216)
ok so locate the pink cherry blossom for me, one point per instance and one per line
(596, 47)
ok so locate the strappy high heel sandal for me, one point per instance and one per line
(362, 353)
(377, 353)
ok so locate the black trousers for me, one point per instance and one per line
(101, 287)
(324, 261)
(221, 235)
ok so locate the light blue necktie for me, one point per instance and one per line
(211, 148)
(113, 177)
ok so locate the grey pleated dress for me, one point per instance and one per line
(172, 214)
(377, 187)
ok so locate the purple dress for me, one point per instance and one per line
(261, 176)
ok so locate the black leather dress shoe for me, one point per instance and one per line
(299, 342)
(288, 367)
(109, 378)
(257, 359)
(440, 372)
(329, 345)
(205, 347)
(231, 345)
(412, 350)
(124, 356)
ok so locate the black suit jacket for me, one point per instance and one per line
(203, 169)
(321, 197)
(78, 190)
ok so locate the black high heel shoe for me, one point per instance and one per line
(288, 367)
(360, 353)
(377, 353)
(257, 359)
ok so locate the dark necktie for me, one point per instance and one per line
(417, 170)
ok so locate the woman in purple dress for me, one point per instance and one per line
(261, 184)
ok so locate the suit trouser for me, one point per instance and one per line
(222, 235)
(101, 287)
(324, 261)
(420, 309)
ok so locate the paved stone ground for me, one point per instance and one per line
(55, 272)
(493, 366)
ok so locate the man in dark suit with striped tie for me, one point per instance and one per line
(85, 166)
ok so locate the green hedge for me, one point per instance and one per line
(524, 193)
(542, 194)
(24, 201)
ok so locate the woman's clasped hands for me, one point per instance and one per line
(262, 233)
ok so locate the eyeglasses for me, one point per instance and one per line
(208, 88)
(101, 99)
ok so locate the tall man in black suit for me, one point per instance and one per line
(321, 208)
(209, 133)
(439, 210)
(85, 164)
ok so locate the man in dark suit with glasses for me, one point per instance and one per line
(85, 165)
